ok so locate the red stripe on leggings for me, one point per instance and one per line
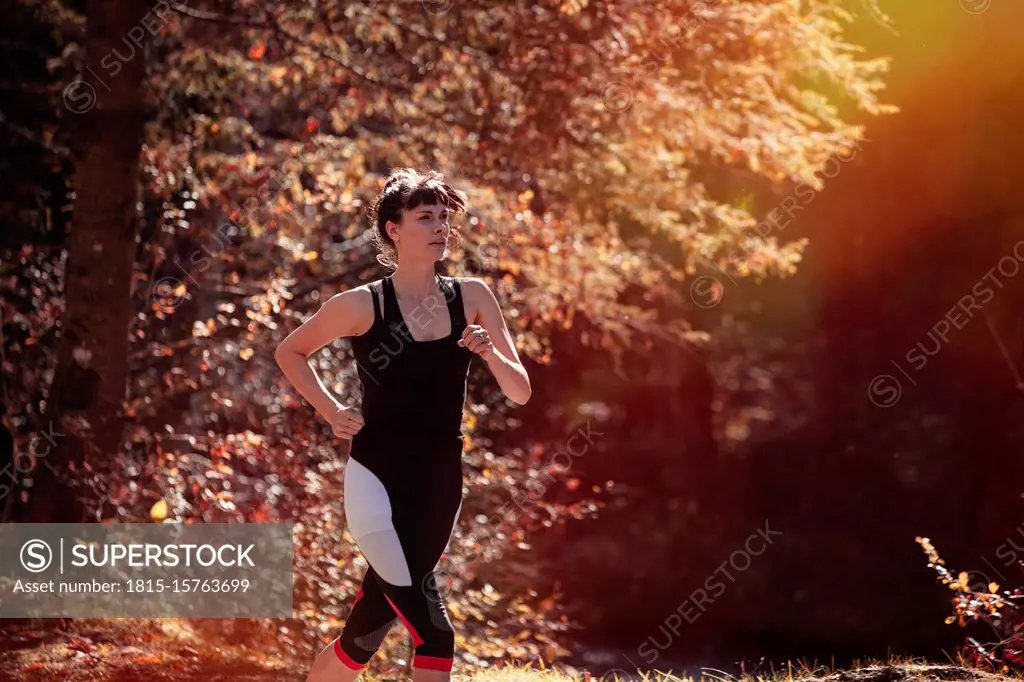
(345, 658)
(432, 663)
(416, 639)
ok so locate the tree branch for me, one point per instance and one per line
(326, 53)
(219, 18)
(58, 149)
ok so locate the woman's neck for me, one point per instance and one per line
(415, 283)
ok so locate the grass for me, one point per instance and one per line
(895, 670)
(173, 650)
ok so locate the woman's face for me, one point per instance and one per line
(423, 232)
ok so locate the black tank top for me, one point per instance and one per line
(413, 391)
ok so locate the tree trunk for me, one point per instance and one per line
(83, 408)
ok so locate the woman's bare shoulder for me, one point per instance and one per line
(354, 305)
(470, 283)
(474, 287)
(477, 296)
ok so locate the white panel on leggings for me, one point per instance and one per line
(368, 510)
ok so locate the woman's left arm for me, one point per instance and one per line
(491, 340)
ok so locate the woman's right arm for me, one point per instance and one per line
(346, 314)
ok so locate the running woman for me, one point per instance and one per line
(413, 334)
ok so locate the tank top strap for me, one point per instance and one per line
(392, 313)
(377, 315)
(456, 310)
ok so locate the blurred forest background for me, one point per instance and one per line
(719, 230)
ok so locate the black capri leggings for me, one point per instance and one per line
(402, 521)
